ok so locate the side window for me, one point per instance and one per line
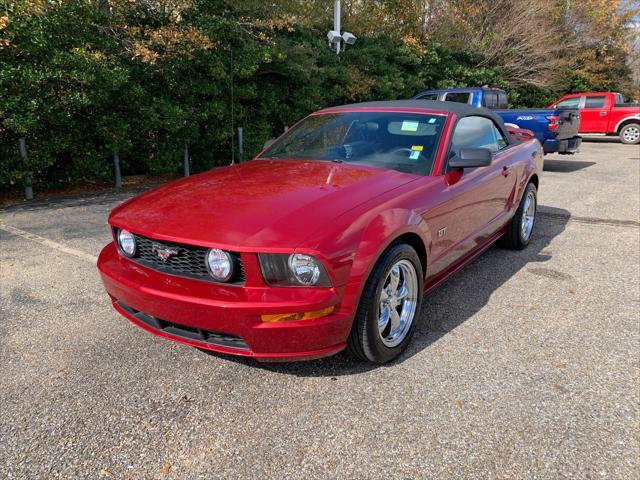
(458, 97)
(502, 100)
(500, 140)
(477, 132)
(429, 96)
(594, 102)
(490, 99)
(573, 102)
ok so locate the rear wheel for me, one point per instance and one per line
(630, 134)
(521, 227)
(389, 305)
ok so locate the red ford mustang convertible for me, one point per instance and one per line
(330, 237)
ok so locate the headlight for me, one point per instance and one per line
(127, 243)
(295, 270)
(220, 264)
(305, 268)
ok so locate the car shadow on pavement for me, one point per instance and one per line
(568, 164)
(602, 139)
(449, 305)
(565, 166)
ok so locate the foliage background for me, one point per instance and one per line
(82, 78)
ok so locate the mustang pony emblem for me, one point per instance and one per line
(165, 253)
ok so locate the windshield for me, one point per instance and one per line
(405, 142)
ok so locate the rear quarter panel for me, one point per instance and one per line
(529, 162)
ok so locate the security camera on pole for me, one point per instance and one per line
(336, 38)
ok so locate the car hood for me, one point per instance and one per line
(261, 204)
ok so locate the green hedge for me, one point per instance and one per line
(79, 82)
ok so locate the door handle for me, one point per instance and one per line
(602, 114)
(506, 171)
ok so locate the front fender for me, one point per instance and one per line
(376, 236)
(381, 232)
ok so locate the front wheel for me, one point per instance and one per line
(630, 134)
(389, 305)
(521, 226)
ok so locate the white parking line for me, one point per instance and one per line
(48, 243)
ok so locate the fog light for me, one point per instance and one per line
(127, 243)
(292, 317)
(220, 264)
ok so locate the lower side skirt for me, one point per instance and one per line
(445, 275)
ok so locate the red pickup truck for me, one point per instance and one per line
(605, 113)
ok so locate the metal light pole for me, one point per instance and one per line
(185, 160)
(28, 187)
(240, 144)
(336, 22)
(338, 40)
(116, 170)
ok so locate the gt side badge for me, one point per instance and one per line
(442, 232)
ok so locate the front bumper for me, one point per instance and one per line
(225, 318)
(565, 146)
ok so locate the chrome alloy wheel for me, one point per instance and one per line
(398, 301)
(631, 134)
(528, 216)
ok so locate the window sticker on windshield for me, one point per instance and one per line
(414, 155)
(409, 126)
(417, 148)
(432, 120)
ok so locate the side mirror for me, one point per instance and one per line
(268, 143)
(471, 158)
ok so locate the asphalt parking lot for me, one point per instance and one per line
(525, 364)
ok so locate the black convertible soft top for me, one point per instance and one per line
(460, 109)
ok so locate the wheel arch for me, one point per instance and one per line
(626, 121)
(417, 243)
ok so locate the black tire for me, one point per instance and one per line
(364, 340)
(630, 134)
(514, 238)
